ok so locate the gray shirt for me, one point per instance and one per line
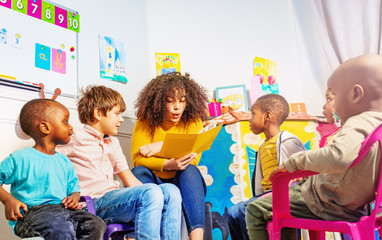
(286, 144)
(340, 193)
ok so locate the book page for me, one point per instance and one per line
(177, 145)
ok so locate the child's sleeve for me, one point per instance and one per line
(332, 158)
(7, 170)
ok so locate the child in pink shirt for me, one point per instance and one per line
(97, 156)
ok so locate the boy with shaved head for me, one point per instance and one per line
(337, 193)
(43, 201)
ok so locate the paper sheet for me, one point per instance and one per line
(177, 145)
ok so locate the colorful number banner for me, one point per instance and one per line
(45, 11)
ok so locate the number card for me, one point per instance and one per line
(6, 3)
(42, 58)
(20, 6)
(34, 8)
(73, 21)
(60, 17)
(47, 13)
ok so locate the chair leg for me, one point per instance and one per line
(117, 236)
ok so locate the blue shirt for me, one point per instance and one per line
(37, 178)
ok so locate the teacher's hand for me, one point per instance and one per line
(150, 149)
(179, 163)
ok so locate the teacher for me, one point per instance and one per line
(171, 103)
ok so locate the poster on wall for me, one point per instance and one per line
(234, 97)
(265, 72)
(112, 59)
(167, 62)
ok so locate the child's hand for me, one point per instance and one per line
(295, 180)
(179, 163)
(150, 149)
(12, 209)
(71, 202)
(277, 170)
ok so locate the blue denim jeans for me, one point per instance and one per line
(155, 210)
(192, 188)
(55, 222)
(236, 220)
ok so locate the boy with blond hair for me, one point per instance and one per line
(97, 156)
(338, 192)
(44, 187)
(268, 113)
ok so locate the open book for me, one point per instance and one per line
(177, 145)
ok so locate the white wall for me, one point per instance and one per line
(123, 20)
(218, 40)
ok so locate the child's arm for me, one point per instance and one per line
(12, 205)
(277, 170)
(128, 178)
(71, 201)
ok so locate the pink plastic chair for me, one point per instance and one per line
(115, 231)
(361, 230)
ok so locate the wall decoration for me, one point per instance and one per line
(42, 56)
(58, 61)
(45, 11)
(112, 59)
(228, 165)
(234, 97)
(265, 72)
(298, 107)
(167, 62)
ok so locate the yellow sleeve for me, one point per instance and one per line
(141, 137)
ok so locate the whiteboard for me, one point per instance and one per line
(24, 40)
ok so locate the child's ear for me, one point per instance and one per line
(97, 113)
(44, 127)
(357, 93)
(268, 116)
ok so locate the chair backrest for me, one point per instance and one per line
(280, 200)
(374, 136)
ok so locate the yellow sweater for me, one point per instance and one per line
(141, 137)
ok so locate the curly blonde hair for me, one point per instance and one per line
(151, 102)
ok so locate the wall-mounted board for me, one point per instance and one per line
(39, 44)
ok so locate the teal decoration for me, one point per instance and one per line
(266, 88)
(217, 159)
(42, 57)
(251, 155)
(307, 145)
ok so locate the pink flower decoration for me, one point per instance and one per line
(271, 80)
(260, 78)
